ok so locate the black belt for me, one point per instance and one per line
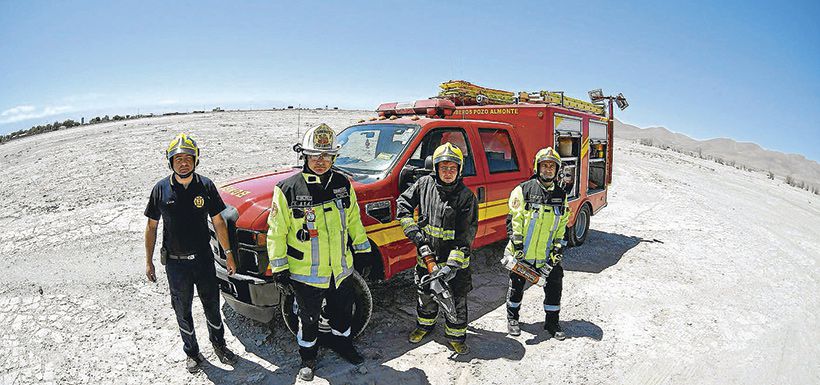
(189, 257)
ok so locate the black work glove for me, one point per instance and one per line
(418, 238)
(557, 254)
(518, 250)
(282, 277)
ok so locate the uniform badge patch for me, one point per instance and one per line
(274, 209)
(516, 203)
(199, 202)
(310, 215)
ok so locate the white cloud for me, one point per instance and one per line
(17, 110)
(20, 113)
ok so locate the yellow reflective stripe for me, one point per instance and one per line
(440, 233)
(455, 332)
(407, 222)
(427, 321)
(458, 259)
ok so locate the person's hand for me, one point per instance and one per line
(282, 277)
(149, 272)
(230, 265)
(447, 273)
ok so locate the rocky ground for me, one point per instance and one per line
(694, 273)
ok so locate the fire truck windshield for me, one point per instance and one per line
(373, 148)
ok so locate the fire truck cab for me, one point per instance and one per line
(384, 155)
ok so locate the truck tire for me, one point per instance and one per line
(579, 231)
(362, 308)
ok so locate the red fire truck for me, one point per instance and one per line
(499, 133)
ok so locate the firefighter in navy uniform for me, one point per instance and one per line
(183, 201)
(312, 215)
(535, 225)
(447, 224)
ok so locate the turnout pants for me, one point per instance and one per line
(338, 310)
(183, 275)
(552, 293)
(427, 308)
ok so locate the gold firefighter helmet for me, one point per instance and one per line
(182, 144)
(320, 140)
(546, 154)
(448, 152)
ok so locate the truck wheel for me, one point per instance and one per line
(579, 231)
(362, 308)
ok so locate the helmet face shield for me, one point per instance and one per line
(546, 155)
(450, 153)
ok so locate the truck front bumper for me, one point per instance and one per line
(249, 296)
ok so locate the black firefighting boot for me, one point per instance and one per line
(193, 363)
(552, 326)
(308, 365)
(225, 355)
(344, 347)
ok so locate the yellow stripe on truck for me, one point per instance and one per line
(386, 233)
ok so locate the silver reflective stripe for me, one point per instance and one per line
(279, 262)
(303, 343)
(190, 333)
(309, 279)
(552, 232)
(552, 307)
(345, 334)
(530, 230)
(343, 250)
(314, 250)
(212, 325)
(513, 304)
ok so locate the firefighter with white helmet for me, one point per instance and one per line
(446, 226)
(312, 214)
(535, 225)
(183, 201)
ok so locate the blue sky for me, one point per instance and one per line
(744, 70)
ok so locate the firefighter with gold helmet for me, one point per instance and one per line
(443, 235)
(536, 224)
(312, 215)
(184, 201)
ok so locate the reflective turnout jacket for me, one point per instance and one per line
(308, 227)
(537, 219)
(448, 219)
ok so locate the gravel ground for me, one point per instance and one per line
(694, 273)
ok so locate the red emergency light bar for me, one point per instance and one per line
(429, 107)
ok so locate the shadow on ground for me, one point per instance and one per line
(394, 314)
(600, 251)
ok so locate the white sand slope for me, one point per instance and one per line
(695, 273)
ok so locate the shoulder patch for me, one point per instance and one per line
(516, 203)
(274, 209)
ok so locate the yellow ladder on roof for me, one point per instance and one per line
(467, 90)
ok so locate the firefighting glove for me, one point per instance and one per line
(447, 273)
(282, 277)
(418, 238)
(518, 250)
(557, 254)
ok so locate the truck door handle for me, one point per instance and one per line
(482, 195)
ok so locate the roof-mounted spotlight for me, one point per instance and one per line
(596, 95)
(620, 100)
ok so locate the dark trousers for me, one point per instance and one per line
(338, 310)
(183, 275)
(427, 308)
(552, 292)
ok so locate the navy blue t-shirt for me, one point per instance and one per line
(184, 213)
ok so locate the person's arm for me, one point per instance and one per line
(278, 227)
(465, 231)
(406, 205)
(150, 242)
(515, 221)
(222, 236)
(355, 227)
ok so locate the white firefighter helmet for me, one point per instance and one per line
(320, 140)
